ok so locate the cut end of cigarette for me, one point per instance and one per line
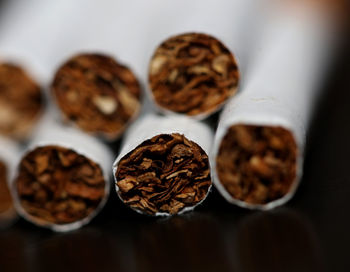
(257, 164)
(56, 185)
(192, 74)
(98, 94)
(165, 174)
(21, 101)
(7, 210)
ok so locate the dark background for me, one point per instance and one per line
(310, 233)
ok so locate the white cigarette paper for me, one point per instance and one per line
(281, 89)
(9, 156)
(152, 125)
(51, 133)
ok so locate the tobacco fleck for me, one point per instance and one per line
(58, 185)
(164, 174)
(21, 101)
(192, 73)
(100, 95)
(257, 164)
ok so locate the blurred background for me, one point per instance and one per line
(310, 233)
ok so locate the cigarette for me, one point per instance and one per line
(259, 143)
(192, 74)
(97, 94)
(163, 168)
(21, 101)
(62, 180)
(256, 164)
(9, 154)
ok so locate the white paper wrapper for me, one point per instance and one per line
(9, 155)
(152, 125)
(281, 88)
(50, 132)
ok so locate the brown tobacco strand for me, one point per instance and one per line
(192, 74)
(97, 93)
(21, 101)
(59, 186)
(257, 164)
(164, 174)
(5, 196)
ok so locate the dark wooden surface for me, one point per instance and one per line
(310, 233)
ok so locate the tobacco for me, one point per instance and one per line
(21, 101)
(98, 94)
(57, 185)
(164, 174)
(192, 74)
(5, 196)
(257, 164)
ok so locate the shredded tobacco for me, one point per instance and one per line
(164, 174)
(257, 164)
(192, 74)
(100, 95)
(5, 196)
(21, 101)
(59, 186)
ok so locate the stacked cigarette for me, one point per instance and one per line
(258, 148)
(21, 102)
(97, 94)
(163, 167)
(9, 155)
(62, 180)
(192, 74)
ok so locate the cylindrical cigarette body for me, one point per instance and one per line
(21, 102)
(9, 155)
(97, 94)
(202, 59)
(63, 180)
(163, 167)
(258, 147)
(192, 74)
